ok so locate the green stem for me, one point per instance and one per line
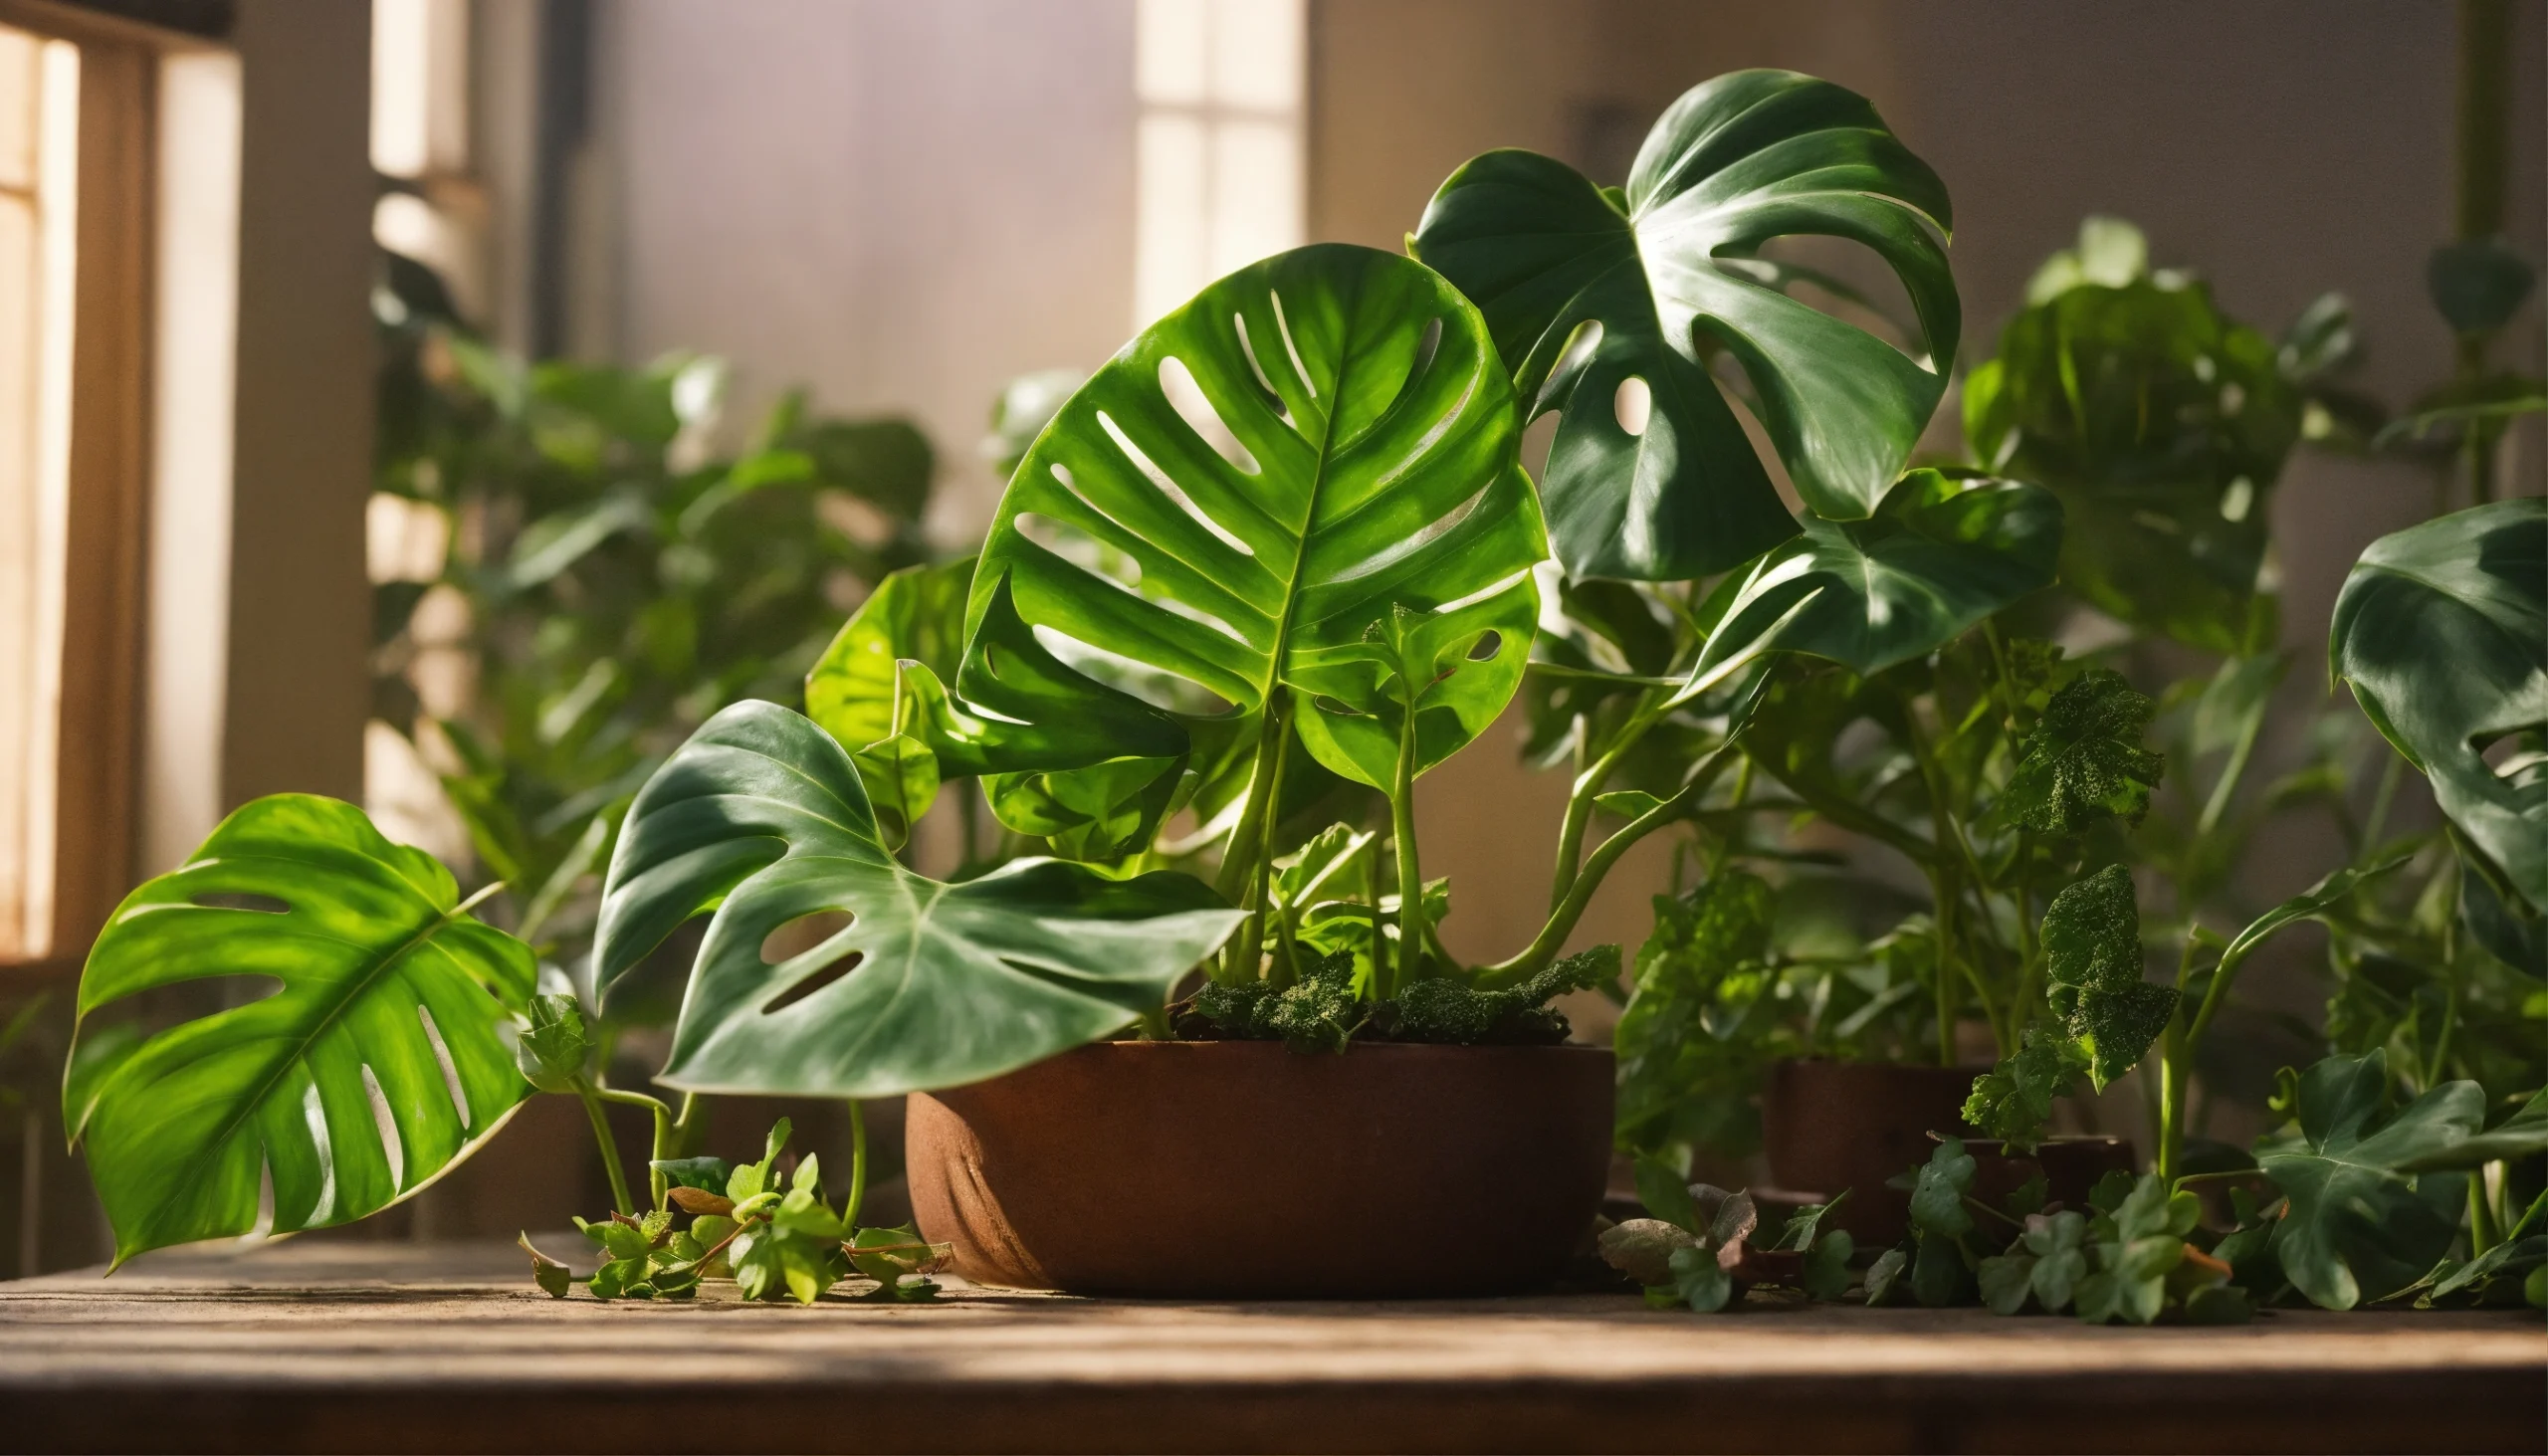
(2226, 788)
(1579, 805)
(2483, 1233)
(665, 1138)
(689, 1124)
(1242, 863)
(592, 1099)
(2389, 776)
(1411, 876)
(857, 1163)
(1534, 958)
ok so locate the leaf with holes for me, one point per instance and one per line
(1607, 306)
(1221, 511)
(2438, 631)
(381, 1056)
(760, 817)
(1942, 552)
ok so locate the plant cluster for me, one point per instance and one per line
(1278, 558)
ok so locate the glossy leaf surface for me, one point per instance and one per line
(1605, 306)
(382, 988)
(2358, 1228)
(1942, 553)
(1226, 506)
(2442, 631)
(762, 817)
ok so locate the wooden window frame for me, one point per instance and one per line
(97, 752)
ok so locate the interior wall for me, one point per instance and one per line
(898, 206)
(2280, 148)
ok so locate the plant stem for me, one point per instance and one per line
(1534, 958)
(1411, 876)
(857, 1163)
(686, 1127)
(592, 1099)
(2483, 1233)
(2383, 797)
(665, 1138)
(1242, 863)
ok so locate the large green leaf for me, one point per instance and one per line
(2161, 424)
(1942, 553)
(380, 1058)
(762, 817)
(1229, 505)
(2442, 631)
(2358, 1228)
(1591, 291)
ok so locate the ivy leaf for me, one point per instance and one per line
(2437, 631)
(2357, 1228)
(1886, 1283)
(2131, 1281)
(1937, 1198)
(1826, 1265)
(2083, 762)
(2007, 1280)
(387, 995)
(1587, 290)
(2058, 1244)
(1699, 1280)
(2014, 1100)
(762, 817)
(2092, 961)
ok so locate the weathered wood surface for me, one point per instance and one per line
(379, 1346)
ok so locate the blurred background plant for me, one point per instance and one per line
(574, 576)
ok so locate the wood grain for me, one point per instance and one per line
(312, 1347)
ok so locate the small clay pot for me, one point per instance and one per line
(1246, 1169)
(1831, 1126)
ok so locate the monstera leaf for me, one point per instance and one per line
(1942, 553)
(1226, 508)
(379, 1058)
(2161, 424)
(2440, 630)
(2358, 1227)
(1600, 300)
(762, 817)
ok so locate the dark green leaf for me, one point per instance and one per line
(2479, 284)
(2357, 1228)
(1885, 1282)
(382, 988)
(1937, 1198)
(2058, 1244)
(1666, 1194)
(1826, 1265)
(1940, 1277)
(2092, 960)
(1941, 551)
(1590, 295)
(1700, 1280)
(2438, 631)
(2014, 1100)
(762, 817)
(2083, 761)
(2005, 1281)
(2522, 1134)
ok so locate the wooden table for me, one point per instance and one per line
(384, 1347)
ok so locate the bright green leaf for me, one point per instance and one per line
(383, 987)
(2357, 1229)
(762, 817)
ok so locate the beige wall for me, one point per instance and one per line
(900, 205)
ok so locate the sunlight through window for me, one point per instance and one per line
(1220, 142)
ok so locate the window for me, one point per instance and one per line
(39, 180)
(1219, 169)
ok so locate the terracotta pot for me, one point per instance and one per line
(1230, 1169)
(1829, 1125)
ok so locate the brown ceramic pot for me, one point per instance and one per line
(1227, 1169)
(1831, 1126)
